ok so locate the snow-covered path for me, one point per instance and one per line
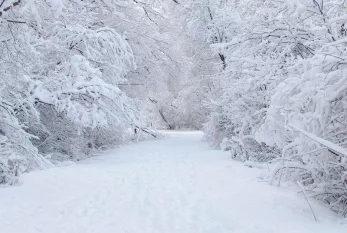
(176, 185)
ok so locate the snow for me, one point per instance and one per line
(322, 141)
(174, 185)
(57, 6)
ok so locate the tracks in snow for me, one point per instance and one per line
(175, 185)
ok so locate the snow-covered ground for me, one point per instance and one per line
(176, 185)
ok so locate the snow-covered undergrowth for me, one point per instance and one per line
(66, 68)
(282, 63)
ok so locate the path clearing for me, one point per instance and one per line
(176, 185)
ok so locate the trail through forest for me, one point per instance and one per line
(177, 184)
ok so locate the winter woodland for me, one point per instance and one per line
(265, 80)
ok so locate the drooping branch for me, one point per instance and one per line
(164, 118)
(15, 21)
(210, 13)
(16, 3)
(147, 131)
(2, 3)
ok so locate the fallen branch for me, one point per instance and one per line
(147, 131)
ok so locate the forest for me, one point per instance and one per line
(264, 80)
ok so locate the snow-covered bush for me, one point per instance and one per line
(83, 75)
(61, 66)
(281, 63)
(11, 163)
(314, 100)
(17, 154)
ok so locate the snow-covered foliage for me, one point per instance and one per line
(63, 64)
(281, 63)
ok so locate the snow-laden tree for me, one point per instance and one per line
(82, 75)
(61, 66)
(146, 27)
(284, 65)
(313, 99)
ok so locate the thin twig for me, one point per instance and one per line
(308, 201)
